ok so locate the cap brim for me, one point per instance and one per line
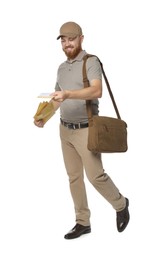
(58, 37)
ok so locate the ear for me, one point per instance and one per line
(81, 38)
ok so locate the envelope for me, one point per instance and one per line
(44, 111)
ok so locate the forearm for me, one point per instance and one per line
(86, 93)
(94, 91)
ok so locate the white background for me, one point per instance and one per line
(35, 205)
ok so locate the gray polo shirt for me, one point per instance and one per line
(69, 77)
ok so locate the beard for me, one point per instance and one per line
(71, 52)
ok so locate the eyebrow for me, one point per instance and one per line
(69, 38)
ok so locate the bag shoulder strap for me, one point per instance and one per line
(86, 84)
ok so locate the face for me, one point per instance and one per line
(71, 46)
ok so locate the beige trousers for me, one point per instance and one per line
(77, 159)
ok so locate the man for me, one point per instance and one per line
(71, 96)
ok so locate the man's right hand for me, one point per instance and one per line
(39, 123)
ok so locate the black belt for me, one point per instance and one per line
(74, 126)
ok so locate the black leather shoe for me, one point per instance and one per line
(123, 217)
(77, 231)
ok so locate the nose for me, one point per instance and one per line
(67, 42)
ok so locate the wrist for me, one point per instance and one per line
(66, 94)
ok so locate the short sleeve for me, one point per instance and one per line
(93, 68)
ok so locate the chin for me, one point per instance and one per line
(73, 54)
